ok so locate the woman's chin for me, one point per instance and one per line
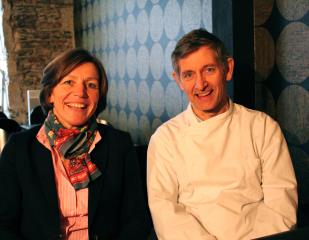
(74, 121)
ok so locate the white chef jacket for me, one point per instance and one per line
(228, 177)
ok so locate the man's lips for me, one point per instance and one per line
(203, 93)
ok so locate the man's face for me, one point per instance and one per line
(203, 79)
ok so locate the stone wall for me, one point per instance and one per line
(35, 31)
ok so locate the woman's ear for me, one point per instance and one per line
(50, 99)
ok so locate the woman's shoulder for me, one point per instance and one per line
(27, 133)
(21, 140)
(111, 132)
(116, 140)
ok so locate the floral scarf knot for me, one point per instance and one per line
(73, 145)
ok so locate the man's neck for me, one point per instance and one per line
(205, 115)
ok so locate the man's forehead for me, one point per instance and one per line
(202, 56)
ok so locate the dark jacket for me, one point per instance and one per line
(28, 202)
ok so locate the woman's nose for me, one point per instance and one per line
(80, 90)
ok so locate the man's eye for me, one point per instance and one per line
(209, 70)
(187, 75)
(92, 85)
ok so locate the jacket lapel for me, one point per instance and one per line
(99, 157)
(43, 161)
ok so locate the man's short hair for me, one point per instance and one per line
(194, 40)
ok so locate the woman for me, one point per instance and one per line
(71, 178)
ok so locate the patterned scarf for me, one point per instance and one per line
(73, 145)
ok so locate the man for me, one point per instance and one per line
(217, 170)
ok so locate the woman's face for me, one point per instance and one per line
(76, 96)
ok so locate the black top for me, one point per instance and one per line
(28, 203)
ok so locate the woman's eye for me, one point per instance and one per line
(92, 85)
(68, 82)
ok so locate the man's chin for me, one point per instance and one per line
(206, 108)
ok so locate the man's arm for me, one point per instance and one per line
(277, 213)
(171, 221)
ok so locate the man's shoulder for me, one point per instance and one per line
(253, 116)
(172, 126)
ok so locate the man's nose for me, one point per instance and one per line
(200, 82)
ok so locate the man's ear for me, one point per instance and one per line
(230, 69)
(177, 79)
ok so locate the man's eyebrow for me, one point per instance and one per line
(210, 65)
(186, 71)
(206, 65)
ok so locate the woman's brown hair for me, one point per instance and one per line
(61, 66)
